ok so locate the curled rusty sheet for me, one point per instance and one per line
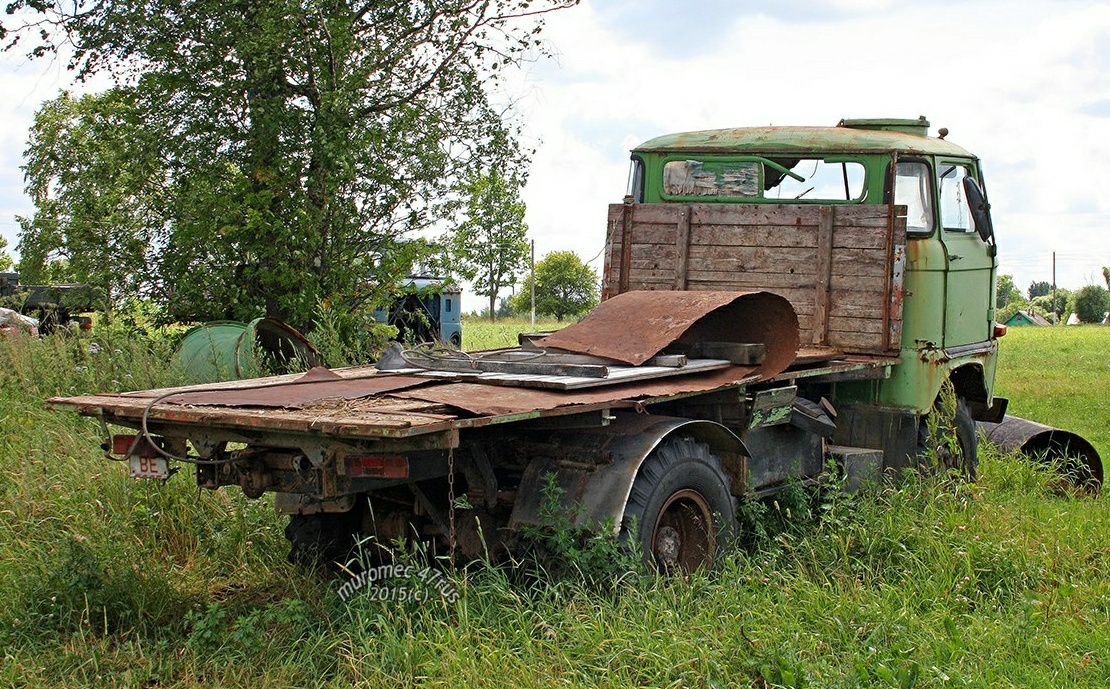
(635, 326)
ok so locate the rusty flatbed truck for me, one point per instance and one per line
(774, 298)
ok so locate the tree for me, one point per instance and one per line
(1006, 291)
(5, 259)
(300, 141)
(565, 286)
(490, 247)
(1053, 311)
(1039, 289)
(97, 185)
(1091, 303)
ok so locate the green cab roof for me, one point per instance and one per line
(850, 136)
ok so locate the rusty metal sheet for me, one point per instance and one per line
(297, 393)
(634, 326)
(490, 400)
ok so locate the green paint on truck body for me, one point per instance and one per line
(950, 269)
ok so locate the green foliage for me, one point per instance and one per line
(1090, 303)
(560, 546)
(348, 337)
(285, 150)
(490, 248)
(98, 185)
(1039, 289)
(5, 258)
(1006, 291)
(565, 286)
(1047, 305)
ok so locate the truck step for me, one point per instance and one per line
(858, 465)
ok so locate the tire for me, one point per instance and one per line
(940, 456)
(322, 542)
(680, 512)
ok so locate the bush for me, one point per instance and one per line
(1091, 304)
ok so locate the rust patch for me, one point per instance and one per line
(634, 326)
(298, 393)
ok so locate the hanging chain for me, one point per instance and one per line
(451, 502)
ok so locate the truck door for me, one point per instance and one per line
(971, 261)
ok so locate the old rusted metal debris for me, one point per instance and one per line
(629, 330)
(635, 326)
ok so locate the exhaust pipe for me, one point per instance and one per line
(1077, 457)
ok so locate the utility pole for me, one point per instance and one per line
(1054, 288)
(533, 283)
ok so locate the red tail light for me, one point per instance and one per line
(999, 330)
(121, 444)
(376, 466)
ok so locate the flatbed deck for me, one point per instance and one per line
(364, 403)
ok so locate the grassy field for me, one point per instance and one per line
(481, 334)
(112, 582)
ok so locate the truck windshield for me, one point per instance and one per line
(912, 189)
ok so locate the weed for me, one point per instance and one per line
(562, 545)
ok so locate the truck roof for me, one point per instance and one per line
(855, 136)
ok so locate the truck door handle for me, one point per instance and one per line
(954, 257)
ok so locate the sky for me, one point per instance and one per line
(1020, 83)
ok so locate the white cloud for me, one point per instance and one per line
(1035, 108)
(1021, 83)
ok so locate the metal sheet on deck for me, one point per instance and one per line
(491, 400)
(635, 326)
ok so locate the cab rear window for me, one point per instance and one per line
(771, 179)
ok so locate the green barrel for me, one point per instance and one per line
(229, 350)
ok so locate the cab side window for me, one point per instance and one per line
(955, 214)
(913, 189)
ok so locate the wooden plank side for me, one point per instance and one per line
(801, 236)
(819, 332)
(768, 259)
(835, 264)
(682, 248)
(774, 282)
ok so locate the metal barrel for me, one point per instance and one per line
(1080, 460)
(228, 350)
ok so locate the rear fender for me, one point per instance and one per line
(595, 468)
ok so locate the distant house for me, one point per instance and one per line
(1026, 318)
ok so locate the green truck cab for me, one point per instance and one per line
(939, 282)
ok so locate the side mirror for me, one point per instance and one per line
(980, 210)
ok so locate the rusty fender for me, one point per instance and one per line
(1045, 442)
(596, 468)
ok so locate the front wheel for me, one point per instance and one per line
(948, 442)
(680, 512)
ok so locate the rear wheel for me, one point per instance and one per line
(323, 541)
(680, 504)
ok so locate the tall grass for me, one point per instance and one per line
(112, 582)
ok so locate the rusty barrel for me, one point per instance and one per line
(229, 350)
(1080, 460)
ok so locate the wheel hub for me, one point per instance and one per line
(685, 537)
